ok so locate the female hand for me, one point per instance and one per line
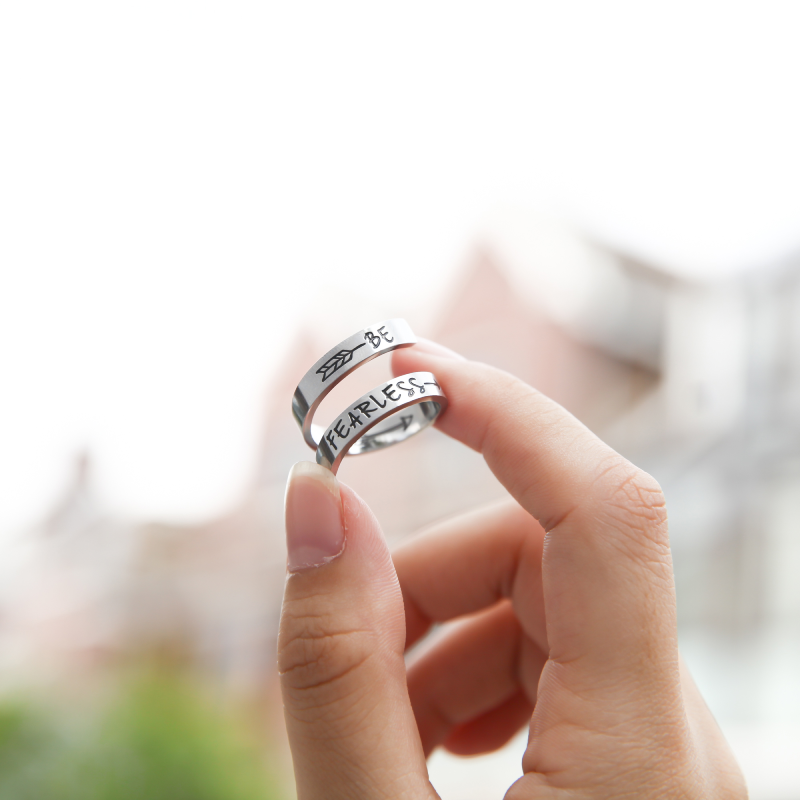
(569, 604)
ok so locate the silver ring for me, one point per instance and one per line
(358, 428)
(348, 355)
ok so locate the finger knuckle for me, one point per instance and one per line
(316, 654)
(635, 506)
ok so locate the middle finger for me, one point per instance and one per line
(469, 563)
(474, 670)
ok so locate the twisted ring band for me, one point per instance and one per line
(337, 363)
(363, 427)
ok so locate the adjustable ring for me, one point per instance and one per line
(358, 428)
(339, 362)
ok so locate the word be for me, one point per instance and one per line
(374, 340)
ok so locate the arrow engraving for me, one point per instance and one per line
(337, 361)
(402, 425)
(375, 440)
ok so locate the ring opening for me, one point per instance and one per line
(399, 426)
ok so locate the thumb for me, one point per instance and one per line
(340, 650)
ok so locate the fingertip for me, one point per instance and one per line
(421, 355)
(314, 518)
(431, 348)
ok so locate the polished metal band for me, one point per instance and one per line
(360, 428)
(337, 363)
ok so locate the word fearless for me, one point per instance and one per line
(390, 392)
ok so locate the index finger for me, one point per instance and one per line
(607, 572)
(543, 455)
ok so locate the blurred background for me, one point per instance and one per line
(197, 200)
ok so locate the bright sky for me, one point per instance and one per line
(184, 185)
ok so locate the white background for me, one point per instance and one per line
(185, 185)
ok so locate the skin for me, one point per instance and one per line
(565, 603)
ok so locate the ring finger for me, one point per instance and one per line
(476, 669)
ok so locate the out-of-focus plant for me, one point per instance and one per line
(159, 739)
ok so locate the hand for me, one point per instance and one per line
(569, 623)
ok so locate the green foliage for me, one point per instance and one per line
(28, 751)
(160, 740)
